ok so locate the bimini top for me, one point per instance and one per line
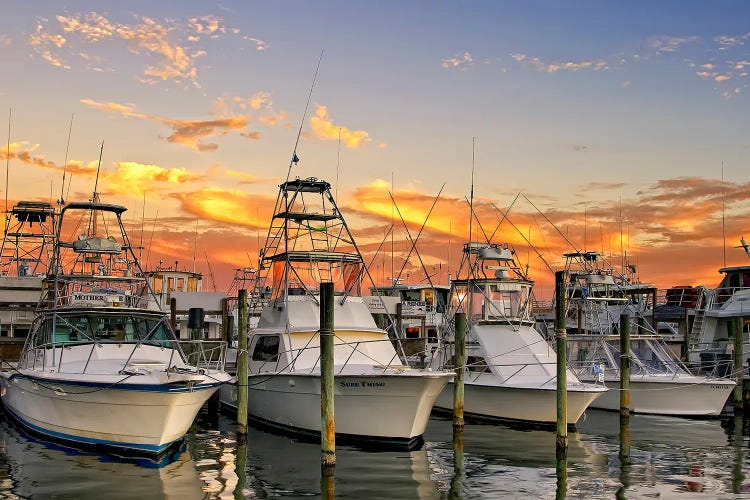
(87, 205)
(309, 185)
(587, 256)
(734, 269)
(315, 256)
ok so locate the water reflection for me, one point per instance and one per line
(34, 468)
(669, 457)
(278, 465)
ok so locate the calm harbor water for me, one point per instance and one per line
(671, 457)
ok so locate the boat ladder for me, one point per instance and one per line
(704, 302)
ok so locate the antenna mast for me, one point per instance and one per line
(95, 196)
(723, 229)
(61, 201)
(7, 165)
(295, 158)
(471, 223)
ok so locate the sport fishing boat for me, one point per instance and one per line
(511, 370)
(377, 396)
(101, 365)
(659, 382)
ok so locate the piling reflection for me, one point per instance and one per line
(561, 470)
(458, 464)
(240, 467)
(327, 484)
(738, 477)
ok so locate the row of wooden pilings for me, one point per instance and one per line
(328, 424)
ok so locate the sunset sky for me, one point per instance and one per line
(615, 120)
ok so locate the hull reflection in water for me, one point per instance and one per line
(278, 465)
(31, 468)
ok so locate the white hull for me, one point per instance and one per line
(148, 419)
(685, 396)
(376, 407)
(527, 404)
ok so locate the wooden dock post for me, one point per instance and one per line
(242, 388)
(624, 390)
(460, 365)
(739, 372)
(562, 383)
(328, 423)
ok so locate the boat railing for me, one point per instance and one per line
(721, 295)
(196, 354)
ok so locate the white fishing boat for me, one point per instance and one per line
(659, 382)
(377, 396)
(709, 338)
(511, 371)
(101, 365)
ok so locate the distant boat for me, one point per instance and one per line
(25, 255)
(99, 366)
(659, 382)
(511, 370)
(377, 396)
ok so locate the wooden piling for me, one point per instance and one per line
(460, 364)
(225, 334)
(328, 423)
(242, 364)
(739, 372)
(624, 390)
(562, 383)
(173, 315)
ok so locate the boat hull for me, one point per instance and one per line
(147, 419)
(693, 397)
(534, 405)
(393, 408)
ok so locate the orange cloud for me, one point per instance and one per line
(323, 128)
(230, 206)
(129, 177)
(189, 133)
(126, 178)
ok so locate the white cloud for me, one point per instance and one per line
(460, 61)
(667, 43)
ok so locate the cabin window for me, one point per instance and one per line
(192, 284)
(180, 284)
(158, 284)
(412, 332)
(266, 348)
(432, 334)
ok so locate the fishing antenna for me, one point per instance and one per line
(61, 201)
(95, 196)
(295, 158)
(338, 162)
(723, 228)
(7, 164)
